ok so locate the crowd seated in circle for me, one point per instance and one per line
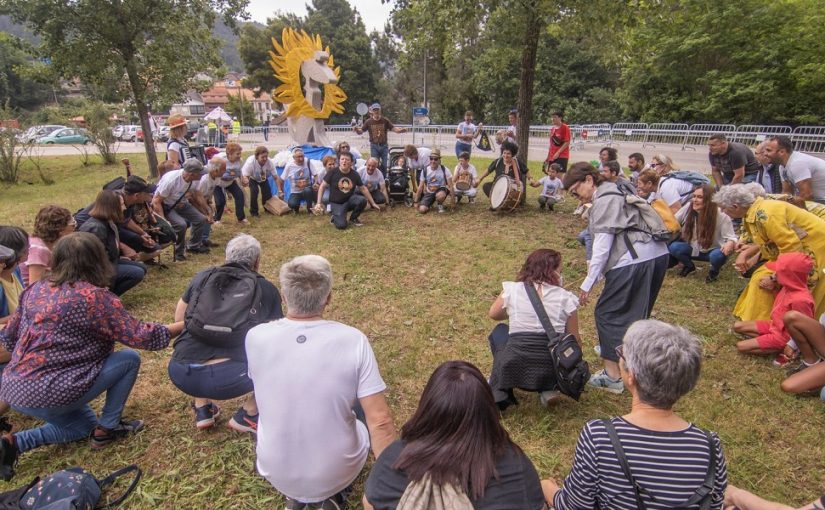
(305, 372)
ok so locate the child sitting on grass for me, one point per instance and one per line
(552, 186)
(791, 272)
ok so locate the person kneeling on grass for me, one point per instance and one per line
(520, 355)
(768, 337)
(809, 335)
(209, 365)
(435, 185)
(319, 391)
(551, 187)
(62, 339)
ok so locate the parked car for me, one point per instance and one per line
(163, 134)
(129, 133)
(155, 135)
(35, 132)
(66, 135)
(117, 131)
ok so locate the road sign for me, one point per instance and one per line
(421, 111)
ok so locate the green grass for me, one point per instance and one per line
(420, 287)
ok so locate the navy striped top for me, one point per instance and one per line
(668, 465)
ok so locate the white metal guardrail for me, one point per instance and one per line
(688, 137)
(665, 133)
(755, 134)
(698, 134)
(629, 132)
(809, 138)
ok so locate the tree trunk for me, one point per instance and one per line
(138, 94)
(532, 29)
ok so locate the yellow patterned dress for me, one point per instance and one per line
(780, 227)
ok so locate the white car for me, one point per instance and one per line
(129, 133)
(35, 132)
(117, 131)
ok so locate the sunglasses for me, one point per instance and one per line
(434, 158)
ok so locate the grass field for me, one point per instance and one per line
(420, 287)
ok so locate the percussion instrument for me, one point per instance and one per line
(277, 206)
(198, 152)
(464, 181)
(505, 194)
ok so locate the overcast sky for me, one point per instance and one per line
(373, 12)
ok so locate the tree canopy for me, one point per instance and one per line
(148, 51)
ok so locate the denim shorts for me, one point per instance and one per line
(221, 381)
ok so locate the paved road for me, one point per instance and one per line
(695, 159)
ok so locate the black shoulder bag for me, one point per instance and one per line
(702, 496)
(572, 372)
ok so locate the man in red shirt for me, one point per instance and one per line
(559, 142)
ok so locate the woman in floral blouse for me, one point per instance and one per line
(62, 339)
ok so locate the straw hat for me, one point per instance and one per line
(175, 120)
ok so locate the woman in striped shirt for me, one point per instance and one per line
(669, 458)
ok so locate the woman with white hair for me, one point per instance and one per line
(650, 458)
(769, 228)
(208, 367)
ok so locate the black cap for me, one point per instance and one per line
(135, 184)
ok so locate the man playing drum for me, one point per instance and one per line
(465, 178)
(435, 184)
(507, 165)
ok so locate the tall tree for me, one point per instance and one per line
(157, 47)
(22, 82)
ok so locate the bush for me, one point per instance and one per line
(100, 132)
(12, 150)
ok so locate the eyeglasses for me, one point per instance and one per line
(434, 158)
(572, 190)
(653, 165)
(620, 351)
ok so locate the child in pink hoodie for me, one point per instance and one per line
(791, 272)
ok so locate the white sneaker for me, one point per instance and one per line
(550, 398)
(217, 224)
(441, 208)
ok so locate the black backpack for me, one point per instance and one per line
(572, 371)
(225, 306)
(74, 488)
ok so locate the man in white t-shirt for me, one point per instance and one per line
(171, 202)
(373, 179)
(465, 133)
(316, 384)
(803, 175)
(299, 176)
(434, 185)
(417, 159)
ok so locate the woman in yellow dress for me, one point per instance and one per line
(771, 227)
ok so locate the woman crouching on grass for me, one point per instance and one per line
(520, 355)
(62, 339)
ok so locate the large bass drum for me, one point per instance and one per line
(505, 194)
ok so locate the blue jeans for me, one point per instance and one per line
(463, 147)
(77, 420)
(306, 195)
(382, 152)
(586, 240)
(221, 381)
(129, 274)
(745, 179)
(681, 251)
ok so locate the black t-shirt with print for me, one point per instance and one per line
(342, 185)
